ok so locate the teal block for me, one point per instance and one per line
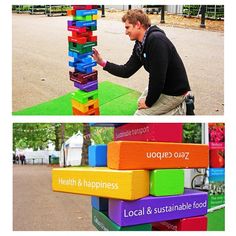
(165, 182)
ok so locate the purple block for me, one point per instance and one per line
(90, 86)
(153, 209)
(71, 23)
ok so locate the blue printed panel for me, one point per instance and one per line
(217, 174)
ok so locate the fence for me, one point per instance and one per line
(215, 12)
(48, 10)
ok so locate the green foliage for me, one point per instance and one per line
(102, 135)
(212, 11)
(38, 135)
(192, 132)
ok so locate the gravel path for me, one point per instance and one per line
(37, 208)
(40, 61)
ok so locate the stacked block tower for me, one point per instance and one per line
(137, 181)
(85, 78)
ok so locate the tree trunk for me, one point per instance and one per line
(86, 144)
(58, 137)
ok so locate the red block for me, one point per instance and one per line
(79, 40)
(86, 34)
(83, 78)
(92, 112)
(77, 29)
(82, 7)
(92, 38)
(198, 223)
(153, 132)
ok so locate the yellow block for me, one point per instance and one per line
(102, 182)
(92, 104)
(94, 17)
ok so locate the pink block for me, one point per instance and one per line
(152, 132)
(198, 223)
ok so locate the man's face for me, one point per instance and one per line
(132, 31)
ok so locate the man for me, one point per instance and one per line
(168, 82)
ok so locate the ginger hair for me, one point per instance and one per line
(135, 15)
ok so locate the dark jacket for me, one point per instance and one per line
(159, 57)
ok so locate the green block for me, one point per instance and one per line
(93, 28)
(103, 223)
(81, 48)
(166, 182)
(84, 97)
(83, 18)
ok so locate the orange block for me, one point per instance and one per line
(126, 155)
(92, 112)
(90, 105)
(70, 12)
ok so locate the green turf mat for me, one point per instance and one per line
(113, 99)
(123, 105)
(57, 106)
(108, 91)
(216, 220)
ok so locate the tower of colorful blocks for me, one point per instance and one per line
(139, 185)
(85, 78)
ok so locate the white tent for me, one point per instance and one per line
(71, 151)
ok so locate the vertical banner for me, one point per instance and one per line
(216, 164)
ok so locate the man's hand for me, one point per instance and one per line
(141, 104)
(98, 58)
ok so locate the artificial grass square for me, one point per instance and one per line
(114, 99)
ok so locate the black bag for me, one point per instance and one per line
(189, 100)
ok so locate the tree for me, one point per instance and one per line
(38, 135)
(86, 143)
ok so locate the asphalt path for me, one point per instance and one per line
(37, 208)
(40, 62)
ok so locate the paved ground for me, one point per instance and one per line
(37, 208)
(40, 61)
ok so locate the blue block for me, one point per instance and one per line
(84, 70)
(73, 63)
(86, 67)
(86, 12)
(99, 203)
(86, 23)
(85, 59)
(77, 55)
(97, 155)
